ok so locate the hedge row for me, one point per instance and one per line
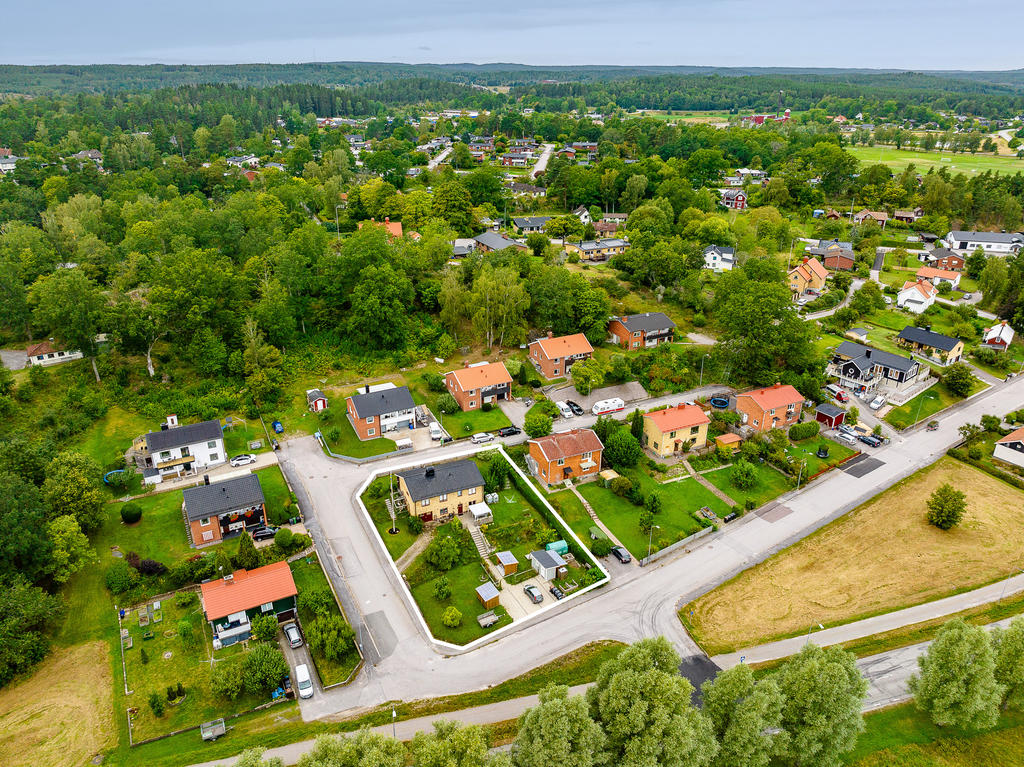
(961, 455)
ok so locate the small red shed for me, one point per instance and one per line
(829, 415)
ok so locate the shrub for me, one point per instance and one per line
(946, 507)
(451, 617)
(284, 539)
(434, 382)
(447, 404)
(623, 449)
(264, 668)
(537, 424)
(443, 553)
(415, 524)
(143, 656)
(750, 504)
(264, 628)
(442, 589)
(172, 692)
(186, 633)
(227, 680)
(653, 503)
(318, 600)
(131, 513)
(152, 567)
(621, 486)
(601, 547)
(737, 509)
(156, 703)
(180, 690)
(333, 434)
(330, 637)
(487, 407)
(975, 452)
(743, 474)
(804, 430)
(122, 577)
(646, 521)
(185, 598)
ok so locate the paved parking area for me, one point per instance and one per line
(514, 599)
(861, 465)
(295, 657)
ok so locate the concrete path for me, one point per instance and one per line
(421, 542)
(879, 624)
(707, 483)
(439, 159)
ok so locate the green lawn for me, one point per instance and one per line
(280, 501)
(160, 533)
(242, 432)
(109, 437)
(170, 660)
(805, 449)
(396, 543)
(463, 580)
(679, 500)
(517, 525)
(925, 405)
(955, 163)
(571, 510)
(342, 439)
(770, 484)
(309, 575)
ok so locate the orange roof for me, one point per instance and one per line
(564, 444)
(926, 289)
(564, 346)
(927, 272)
(247, 589)
(491, 374)
(809, 268)
(679, 417)
(728, 438)
(771, 397)
(1013, 436)
(43, 347)
(394, 228)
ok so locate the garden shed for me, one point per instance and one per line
(488, 595)
(507, 562)
(728, 441)
(830, 415)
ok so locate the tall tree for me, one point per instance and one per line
(1008, 644)
(643, 706)
(746, 716)
(72, 486)
(450, 745)
(25, 545)
(71, 550)
(362, 749)
(559, 731)
(824, 692)
(957, 685)
(69, 305)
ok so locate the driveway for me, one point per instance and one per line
(296, 657)
(542, 161)
(13, 359)
(854, 287)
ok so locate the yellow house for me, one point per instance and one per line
(809, 275)
(666, 432)
(437, 493)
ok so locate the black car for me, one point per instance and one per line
(557, 593)
(263, 533)
(869, 439)
(509, 431)
(621, 554)
(576, 409)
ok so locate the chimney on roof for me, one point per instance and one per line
(429, 472)
(550, 334)
(172, 420)
(367, 389)
(387, 219)
(867, 353)
(163, 426)
(229, 578)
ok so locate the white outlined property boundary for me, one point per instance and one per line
(447, 648)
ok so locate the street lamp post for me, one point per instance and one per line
(650, 538)
(809, 633)
(394, 716)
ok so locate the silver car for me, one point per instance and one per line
(291, 632)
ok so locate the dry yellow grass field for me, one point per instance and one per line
(880, 557)
(61, 715)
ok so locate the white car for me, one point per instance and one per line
(243, 460)
(877, 402)
(303, 681)
(564, 410)
(481, 437)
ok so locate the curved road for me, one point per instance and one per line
(637, 602)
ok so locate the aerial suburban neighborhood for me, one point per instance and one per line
(363, 413)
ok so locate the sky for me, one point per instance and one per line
(903, 34)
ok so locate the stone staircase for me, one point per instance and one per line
(586, 504)
(479, 539)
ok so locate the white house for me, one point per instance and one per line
(993, 243)
(546, 563)
(177, 450)
(719, 258)
(998, 337)
(1011, 448)
(916, 296)
(244, 161)
(45, 353)
(583, 215)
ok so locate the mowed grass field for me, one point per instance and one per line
(880, 557)
(956, 163)
(62, 714)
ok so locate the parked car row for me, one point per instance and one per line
(568, 409)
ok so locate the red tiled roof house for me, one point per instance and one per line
(231, 603)
(475, 385)
(774, 407)
(574, 455)
(554, 356)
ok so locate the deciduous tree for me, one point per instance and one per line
(558, 731)
(946, 506)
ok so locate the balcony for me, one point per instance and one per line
(176, 462)
(587, 465)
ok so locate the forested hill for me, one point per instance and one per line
(33, 80)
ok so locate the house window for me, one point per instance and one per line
(472, 403)
(756, 423)
(370, 432)
(472, 491)
(211, 444)
(425, 502)
(165, 455)
(556, 371)
(208, 535)
(266, 608)
(636, 334)
(694, 429)
(561, 462)
(771, 412)
(672, 435)
(204, 521)
(443, 497)
(459, 494)
(214, 457)
(369, 419)
(587, 456)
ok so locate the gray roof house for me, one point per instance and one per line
(382, 402)
(862, 369)
(223, 497)
(930, 338)
(546, 563)
(530, 223)
(648, 322)
(491, 241)
(181, 436)
(441, 479)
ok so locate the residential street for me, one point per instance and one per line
(439, 159)
(542, 161)
(637, 602)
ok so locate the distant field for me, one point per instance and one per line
(957, 163)
(880, 557)
(61, 715)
